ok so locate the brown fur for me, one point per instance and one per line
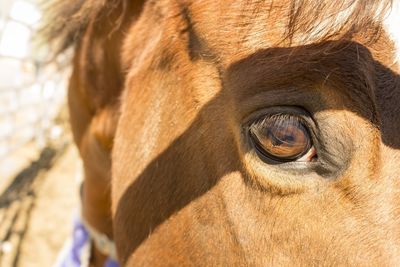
(180, 80)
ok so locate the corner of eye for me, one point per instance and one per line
(310, 156)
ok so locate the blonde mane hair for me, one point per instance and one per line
(65, 21)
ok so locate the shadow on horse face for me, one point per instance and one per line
(205, 180)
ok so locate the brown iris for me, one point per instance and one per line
(281, 137)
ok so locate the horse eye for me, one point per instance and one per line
(282, 138)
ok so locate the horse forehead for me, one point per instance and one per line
(232, 25)
(241, 31)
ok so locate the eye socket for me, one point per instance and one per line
(282, 138)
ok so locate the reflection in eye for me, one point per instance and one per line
(281, 137)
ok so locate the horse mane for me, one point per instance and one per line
(321, 20)
(66, 21)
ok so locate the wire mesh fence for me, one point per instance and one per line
(32, 92)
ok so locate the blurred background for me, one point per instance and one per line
(39, 169)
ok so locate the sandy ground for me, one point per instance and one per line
(40, 230)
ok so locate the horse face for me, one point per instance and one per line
(237, 148)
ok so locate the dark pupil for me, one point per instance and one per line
(281, 138)
(285, 139)
(289, 138)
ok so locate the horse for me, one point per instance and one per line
(236, 133)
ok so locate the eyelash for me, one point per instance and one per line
(277, 117)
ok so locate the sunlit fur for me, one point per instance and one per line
(159, 99)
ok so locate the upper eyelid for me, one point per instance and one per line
(284, 110)
(279, 116)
